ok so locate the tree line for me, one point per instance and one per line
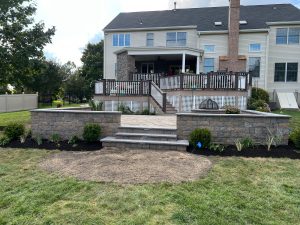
(23, 64)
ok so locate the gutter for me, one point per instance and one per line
(151, 28)
(283, 23)
(263, 30)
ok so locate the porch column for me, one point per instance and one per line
(198, 65)
(183, 63)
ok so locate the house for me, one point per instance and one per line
(262, 40)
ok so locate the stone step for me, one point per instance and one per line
(147, 136)
(145, 144)
(148, 130)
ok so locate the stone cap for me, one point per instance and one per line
(246, 113)
(75, 110)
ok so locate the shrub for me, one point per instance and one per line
(125, 109)
(91, 132)
(55, 138)
(247, 143)
(232, 110)
(200, 135)
(38, 139)
(74, 140)
(4, 140)
(14, 131)
(58, 103)
(239, 145)
(217, 147)
(264, 108)
(96, 106)
(295, 137)
(260, 94)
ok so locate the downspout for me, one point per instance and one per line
(267, 60)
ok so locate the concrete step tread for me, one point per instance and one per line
(148, 128)
(171, 143)
(146, 134)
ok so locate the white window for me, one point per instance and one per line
(176, 39)
(287, 36)
(150, 39)
(255, 47)
(254, 66)
(209, 65)
(209, 48)
(121, 39)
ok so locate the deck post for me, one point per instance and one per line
(141, 88)
(181, 81)
(236, 81)
(164, 102)
(183, 63)
(208, 81)
(198, 65)
(104, 87)
(150, 85)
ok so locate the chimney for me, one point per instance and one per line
(233, 29)
(233, 61)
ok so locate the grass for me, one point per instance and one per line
(21, 116)
(295, 121)
(236, 191)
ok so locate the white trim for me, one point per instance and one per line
(151, 28)
(249, 49)
(263, 30)
(283, 23)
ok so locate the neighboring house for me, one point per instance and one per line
(261, 39)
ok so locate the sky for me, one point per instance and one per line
(79, 22)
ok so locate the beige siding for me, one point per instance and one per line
(278, 54)
(255, 38)
(138, 39)
(220, 41)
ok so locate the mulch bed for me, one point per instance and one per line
(258, 151)
(63, 145)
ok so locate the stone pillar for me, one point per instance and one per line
(125, 66)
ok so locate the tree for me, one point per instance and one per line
(77, 86)
(46, 78)
(92, 60)
(22, 40)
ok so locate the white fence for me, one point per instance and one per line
(12, 103)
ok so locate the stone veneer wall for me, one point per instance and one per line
(226, 128)
(125, 66)
(67, 123)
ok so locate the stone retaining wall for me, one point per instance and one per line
(226, 128)
(67, 123)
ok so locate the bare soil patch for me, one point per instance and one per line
(129, 166)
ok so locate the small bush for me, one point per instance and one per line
(38, 139)
(217, 147)
(74, 140)
(264, 108)
(96, 106)
(295, 137)
(125, 109)
(58, 103)
(239, 145)
(14, 131)
(200, 135)
(232, 110)
(260, 94)
(247, 143)
(55, 138)
(4, 140)
(92, 132)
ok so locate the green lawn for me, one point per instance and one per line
(295, 121)
(22, 116)
(236, 191)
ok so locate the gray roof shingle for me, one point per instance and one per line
(204, 18)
